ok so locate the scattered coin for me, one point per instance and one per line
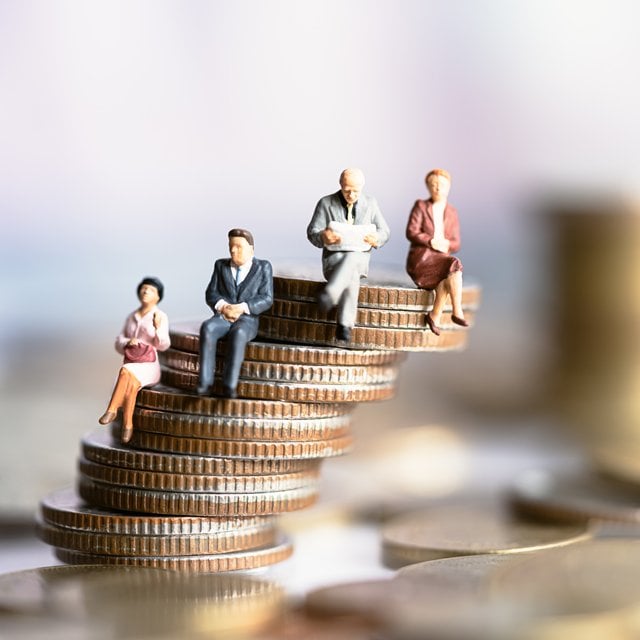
(451, 531)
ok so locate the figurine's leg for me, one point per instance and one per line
(242, 331)
(441, 293)
(454, 284)
(117, 397)
(348, 305)
(210, 331)
(128, 406)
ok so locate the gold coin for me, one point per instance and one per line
(100, 447)
(170, 399)
(163, 481)
(222, 562)
(64, 508)
(578, 497)
(224, 428)
(451, 531)
(292, 392)
(194, 504)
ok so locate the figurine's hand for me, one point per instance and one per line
(133, 342)
(371, 240)
(157, 320)
(329, 236)
(440, 244)
(231, 312)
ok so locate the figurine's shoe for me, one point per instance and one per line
(107, 417)
(203, 390)
(125, 434)
(435, 329)
(343, 333)
(324, 301)
(228, 392)
(460, 321)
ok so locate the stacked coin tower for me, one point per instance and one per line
(200, 485)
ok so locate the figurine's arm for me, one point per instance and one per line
(161, 339)
(416, 232)
(213, 295)
(382, 228)
(264, 297)
(319, 222)
(125, 335)
(452, 230)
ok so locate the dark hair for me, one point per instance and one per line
(241, 233)
(154, 282)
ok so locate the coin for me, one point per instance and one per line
(577, 497)
(393, 292)
(225, 428)
(185, 337)
(265, 450)
(170, 399)
(194, 504)
(463, 530)
(163, 481)
(100, 447)
(323, 333)
(64, 508)
(236, 561)
(119, 544)
(291, 392)
(106, 601)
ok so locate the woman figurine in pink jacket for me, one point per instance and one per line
(434, 232)
(145, 332)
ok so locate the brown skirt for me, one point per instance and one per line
(427, 268)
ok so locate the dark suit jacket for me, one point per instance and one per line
(256, 289)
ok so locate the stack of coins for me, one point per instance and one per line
(199, 484)
(390, 316)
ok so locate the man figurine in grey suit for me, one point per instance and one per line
(343, 266)
(241, 288)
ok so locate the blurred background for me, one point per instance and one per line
(134, 133)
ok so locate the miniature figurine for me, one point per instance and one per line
(145, 332)
(434, 232)
(346, 254)
(241, 288)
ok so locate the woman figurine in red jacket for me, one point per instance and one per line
(434, 232)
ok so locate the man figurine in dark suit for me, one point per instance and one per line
(241, 288)
(344, 265)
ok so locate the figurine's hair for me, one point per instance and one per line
(438, 172)
(241, 233)
(154, 282)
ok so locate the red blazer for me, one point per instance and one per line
(420, 225)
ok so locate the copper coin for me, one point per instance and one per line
(394, 291)
(171, 399)
(236, 561)
(323, 333)
(185, 337)
(289, 373)
(272, 451)
(64, 508)
(291, 392)
(162, 481)
(195, 504)
(451, 531)
(165, 545)
(223, 428)
(100, 447)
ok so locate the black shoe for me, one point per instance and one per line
(324, 301)
(228, 392)
(203, 390)
(343, 334)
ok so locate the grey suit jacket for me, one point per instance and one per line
(331, 208)
(256, 289)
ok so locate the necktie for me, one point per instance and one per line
(237, 277)
(350, 213)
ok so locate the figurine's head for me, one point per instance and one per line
(351, 183)
(240, 246)
(150, 290)
(438, 183)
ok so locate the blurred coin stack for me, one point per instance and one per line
(200, 485)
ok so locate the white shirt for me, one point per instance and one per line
(244, 272)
